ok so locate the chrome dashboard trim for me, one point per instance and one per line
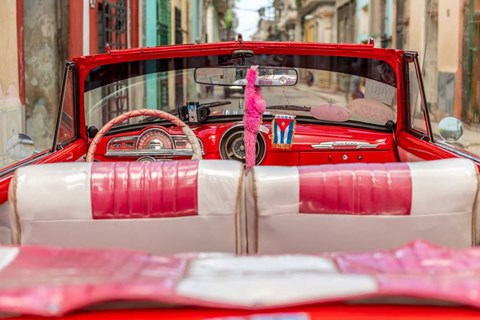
(345, 145)
(123, 138)
(135, 138)
(151, 152)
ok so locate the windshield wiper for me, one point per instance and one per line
(215, 104)
(288, 107)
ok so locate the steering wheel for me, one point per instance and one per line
(197, 150)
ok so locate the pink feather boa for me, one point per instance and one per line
(252, 117)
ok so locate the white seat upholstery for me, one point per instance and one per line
(362, 206)
(160, 207)
(207, 205)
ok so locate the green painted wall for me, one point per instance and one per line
(157, 32)
(151, 41)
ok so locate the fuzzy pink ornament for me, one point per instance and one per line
(252, 116)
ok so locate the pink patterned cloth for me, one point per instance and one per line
(252, 119)
(53, 281)
(420, 269)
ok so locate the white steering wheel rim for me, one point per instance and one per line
(197, 150)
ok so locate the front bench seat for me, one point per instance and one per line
(161, 207)
(362, 206)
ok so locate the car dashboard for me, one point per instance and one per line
(150, 144)
(312, 144)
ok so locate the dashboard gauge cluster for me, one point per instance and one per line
(182, 143)
(151, 144)
(154, 139)
(122, 143)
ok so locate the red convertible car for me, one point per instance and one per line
(229, 201)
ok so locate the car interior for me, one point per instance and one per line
(215, 206)
(171, 180)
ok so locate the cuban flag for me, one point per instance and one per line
(283, 126)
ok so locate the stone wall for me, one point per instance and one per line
(43, 69)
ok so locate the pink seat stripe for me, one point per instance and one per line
(144, 189)
(363, 189)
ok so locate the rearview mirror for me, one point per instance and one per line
(20, 146)
(451, 129)
(236, 76)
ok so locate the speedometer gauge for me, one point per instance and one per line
(154, 139)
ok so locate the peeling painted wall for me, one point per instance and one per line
(43, 67)
(448, 31)
(10, 105)
(416, 27)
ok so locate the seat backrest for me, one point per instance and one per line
(160, 207)
(361, 206)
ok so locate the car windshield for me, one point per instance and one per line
(327, 88)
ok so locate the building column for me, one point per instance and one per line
(134, 24)
(86, 27)
(75, 32)
(458, 106)
(11, 75)
(151, 20)
(298, 29)
(449, 45)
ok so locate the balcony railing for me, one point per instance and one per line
(308, 5)
(288, 18)
(221, 5)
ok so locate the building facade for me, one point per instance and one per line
(445, 33)
(39, 35)
(317, 21)
(285, 19)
